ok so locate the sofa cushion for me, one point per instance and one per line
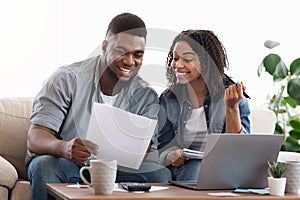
(8, 173)
(22, 190)
(14, 122)
(3, 193)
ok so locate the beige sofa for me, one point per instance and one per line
(14, 124)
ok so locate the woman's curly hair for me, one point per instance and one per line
(212, 55)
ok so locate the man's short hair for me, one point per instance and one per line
(129, 23)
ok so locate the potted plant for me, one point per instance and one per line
(285, 100)
(276, 182)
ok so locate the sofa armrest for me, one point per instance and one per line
(8, 173)
(262, 120)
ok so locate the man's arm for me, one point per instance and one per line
(42, 141)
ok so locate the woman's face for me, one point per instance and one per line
(185, 63)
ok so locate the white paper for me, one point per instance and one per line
(78, 186)
(121, 135)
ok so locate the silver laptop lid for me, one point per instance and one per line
(237, 160)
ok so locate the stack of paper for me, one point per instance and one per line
(192, 154)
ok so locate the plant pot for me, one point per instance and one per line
(277, 186)
(292, 174)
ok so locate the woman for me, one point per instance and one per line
(200, 99)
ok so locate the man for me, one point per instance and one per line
(61, 110)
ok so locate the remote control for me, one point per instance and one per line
(133, 186)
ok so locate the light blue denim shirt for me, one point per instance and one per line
(65, 102)
(174, 113)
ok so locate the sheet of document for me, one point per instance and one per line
(121, 135)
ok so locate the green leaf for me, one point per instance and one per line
(295, 67)
(293, 89)
(270, 62)
(292, 144)
(278, 129)
(295, 134)
(283, 147)
(281, 71)
(271, 44)
(276, 169)
(259, 69)
(295, 124)
(290, 101)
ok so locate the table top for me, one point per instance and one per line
(61, 191)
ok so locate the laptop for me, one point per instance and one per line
(235, 161)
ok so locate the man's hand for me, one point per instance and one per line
(176, 158)
(79, 150)
(42, 141)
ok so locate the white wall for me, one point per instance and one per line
(38, 36)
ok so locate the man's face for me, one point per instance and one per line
(123, 53)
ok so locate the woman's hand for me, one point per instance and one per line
(233, 95)
(176, 158)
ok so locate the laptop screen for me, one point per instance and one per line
(233, 161)
(237, 160)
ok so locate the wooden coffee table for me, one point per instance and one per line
(60, 191)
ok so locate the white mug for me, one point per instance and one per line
(103, 175)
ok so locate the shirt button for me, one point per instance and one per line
(189, 107)
(184, 122)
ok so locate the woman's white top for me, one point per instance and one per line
(196, 129)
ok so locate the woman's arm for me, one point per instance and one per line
(165, 134)
(236, 119)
